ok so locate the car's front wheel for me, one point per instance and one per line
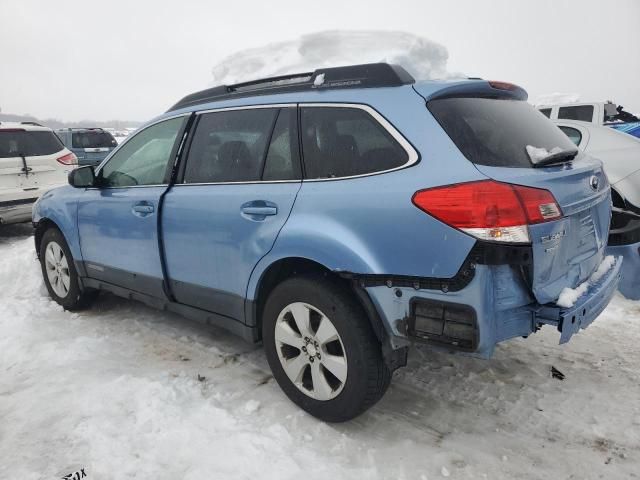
(59, 272)
(322, 350)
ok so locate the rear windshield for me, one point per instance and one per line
(497, 132)
(93, 139)
(16, 143)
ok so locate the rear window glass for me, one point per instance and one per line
(28, 143)
(583, 113)
(496, 132)
(93, 139)
(342, 142)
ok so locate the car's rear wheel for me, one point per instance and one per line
(322, 350)
(59, 272)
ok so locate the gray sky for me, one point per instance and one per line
(75, 59)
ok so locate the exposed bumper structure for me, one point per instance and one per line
(587, 307)
(503, 308)
(629, 284)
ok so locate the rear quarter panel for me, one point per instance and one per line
(369, 224)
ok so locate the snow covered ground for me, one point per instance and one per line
(129, 392)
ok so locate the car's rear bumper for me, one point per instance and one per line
(16, 211)
(501, 307)
(587, 307)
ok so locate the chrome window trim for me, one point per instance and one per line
(248, 107)
(412, 153)
(108, 159)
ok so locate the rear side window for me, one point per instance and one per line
(343, 141)
(230, 146)
(546, 112)
(93, 139)
(496, 132)
(583, 113)
(573, 133)
(15, 143)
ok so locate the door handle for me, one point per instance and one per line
(260, 210)
(142, 209)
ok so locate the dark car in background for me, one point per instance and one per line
(90, 145)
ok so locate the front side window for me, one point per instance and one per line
(583, 113)
(230, 146)
(144, 159)
(573, 133)
(346, 141)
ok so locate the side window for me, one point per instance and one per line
(546, 112)
(144, 159)
(283, 162)
(230, 146)
(583, 113)
(344, 141)
(574, 134)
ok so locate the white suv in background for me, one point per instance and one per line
(32, 161)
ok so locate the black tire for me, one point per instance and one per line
(367, 376)
(75, 298)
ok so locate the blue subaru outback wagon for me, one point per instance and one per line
(338, 217)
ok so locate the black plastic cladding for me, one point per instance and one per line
(360, 76)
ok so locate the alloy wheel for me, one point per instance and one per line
(311, 351)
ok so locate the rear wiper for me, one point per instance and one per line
(559, 157)
(541, 157)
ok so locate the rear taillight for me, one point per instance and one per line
(489, 210)
(68, 159)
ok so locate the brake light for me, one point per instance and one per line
(502, 85)
(489, 210)
(68, 159)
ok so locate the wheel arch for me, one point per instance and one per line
(283, 268)
(42, 226)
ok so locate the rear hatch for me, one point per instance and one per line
(31, 159)
(511, 142)
(91, 146)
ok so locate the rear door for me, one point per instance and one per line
(494, 134)
(241, 178)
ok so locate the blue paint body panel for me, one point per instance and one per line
(217, 249)
(630, 275)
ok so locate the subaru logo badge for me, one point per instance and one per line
(594, 182)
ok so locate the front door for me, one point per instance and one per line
(118, 222)
(241, 178)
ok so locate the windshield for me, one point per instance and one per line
(93, 139)
(497, 132)
(15, 143)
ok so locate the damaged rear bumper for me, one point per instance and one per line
(494, 306)
(587, 307)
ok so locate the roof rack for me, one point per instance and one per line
(35, 124)
(353, 76)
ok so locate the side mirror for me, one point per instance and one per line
(82, 177)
